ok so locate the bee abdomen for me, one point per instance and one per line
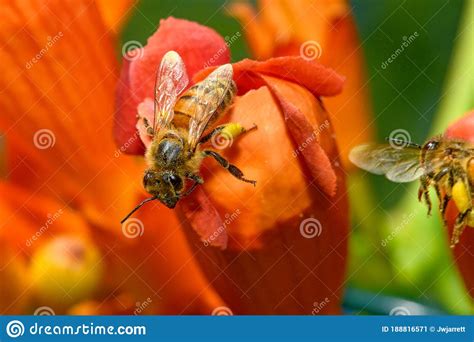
(185, 106)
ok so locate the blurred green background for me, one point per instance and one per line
(405, 95)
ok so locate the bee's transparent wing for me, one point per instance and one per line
(209, 95)
(171, 80)
(398, 164)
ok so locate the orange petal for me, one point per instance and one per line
(57, 107)
(114, 15)
(351, 111)
(327, 27)
(159, 265)
(28, 220)
(258, 35)
(264, 223)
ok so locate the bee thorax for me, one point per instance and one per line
(169, 152)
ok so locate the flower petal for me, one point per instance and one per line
(115, 15)
(205, 219)
(57, 107)
(318, 79)
(463, 128)
(264, 223)
(199, 46)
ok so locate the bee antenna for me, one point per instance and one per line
(138, 207)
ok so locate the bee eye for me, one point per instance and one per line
(176, 181)
(148, 177)
(432, 145)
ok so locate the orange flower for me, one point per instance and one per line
(66, 178)
(463, 129)
(279, 247)
(322, 30)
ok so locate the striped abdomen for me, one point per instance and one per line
(208, 90)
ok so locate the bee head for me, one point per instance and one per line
(166, 186)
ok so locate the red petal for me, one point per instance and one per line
(204, 218)
(313, 154)
(318, 79)
(198, 45)
(300, 129)
(463, 128)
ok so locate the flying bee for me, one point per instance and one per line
(176, 151)
(444, 163)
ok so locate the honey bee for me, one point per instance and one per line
(176, 149)
(444, 163)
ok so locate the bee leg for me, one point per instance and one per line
(149, 130)
(197, 181)
(229, 131)
(459, 226)
(442, 198)
(234, 170)
(443, 203)
(423, 191)
(461, 195)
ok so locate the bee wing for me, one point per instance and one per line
(171, 79)
(209, 95)
(397, 164)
